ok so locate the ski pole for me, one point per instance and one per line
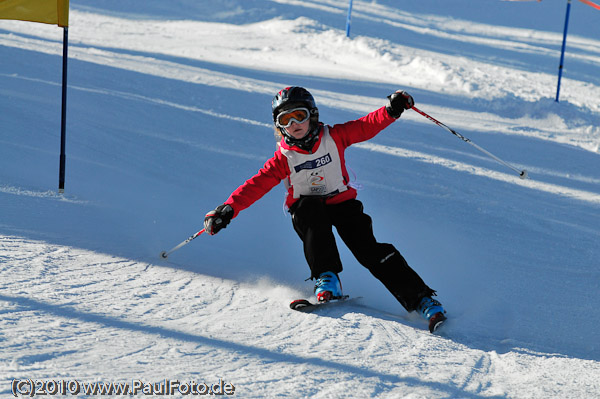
(522, 173)
(165, 254)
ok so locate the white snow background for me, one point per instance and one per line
(169, 111)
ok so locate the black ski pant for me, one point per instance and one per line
(313, 220)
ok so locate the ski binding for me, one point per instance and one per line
(304, 305)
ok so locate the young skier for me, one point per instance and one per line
(310, 160)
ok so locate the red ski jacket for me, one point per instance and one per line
(315, 173)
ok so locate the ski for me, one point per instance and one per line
(304, 305)
(436, 321)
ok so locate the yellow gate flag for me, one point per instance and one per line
(44, 11)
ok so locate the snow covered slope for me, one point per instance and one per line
(169, 111)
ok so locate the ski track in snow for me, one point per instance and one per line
(591, 197)
(39, 194)
(535, 120)
(73, 309)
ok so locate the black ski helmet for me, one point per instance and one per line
(294, 97)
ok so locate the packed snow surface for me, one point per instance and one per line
(169, 111)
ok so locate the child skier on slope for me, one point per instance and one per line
(310, 159)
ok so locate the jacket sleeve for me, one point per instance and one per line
(362, 129)
(271, 174)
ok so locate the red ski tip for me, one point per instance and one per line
(436, 321)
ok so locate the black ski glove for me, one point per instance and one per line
(218, 219)
(399, 101)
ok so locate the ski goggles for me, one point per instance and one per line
(298, 115)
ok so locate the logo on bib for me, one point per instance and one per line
(316, 182)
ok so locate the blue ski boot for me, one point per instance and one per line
(432, 311)
(328, 287)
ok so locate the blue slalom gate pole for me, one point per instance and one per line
(348, 19)
(562, 52)
(63, 118)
